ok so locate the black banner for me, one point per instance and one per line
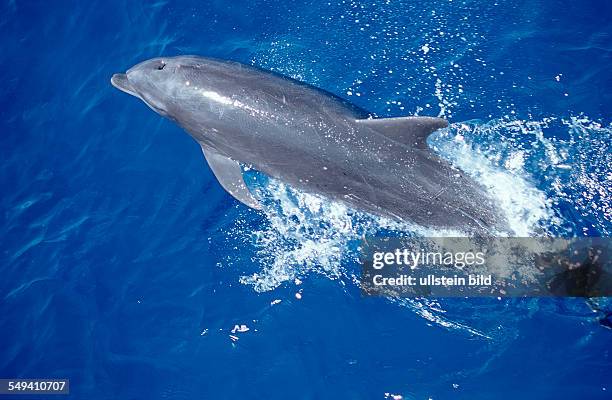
(483, 267)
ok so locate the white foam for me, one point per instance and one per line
(525, 207)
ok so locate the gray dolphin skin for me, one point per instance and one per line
(311, 140)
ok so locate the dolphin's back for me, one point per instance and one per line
(269, 90)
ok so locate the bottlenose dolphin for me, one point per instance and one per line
(310, 139)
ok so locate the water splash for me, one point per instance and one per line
(525, 207)
(302, 233)
(522, 164)
(550, 175)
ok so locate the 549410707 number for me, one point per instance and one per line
(34, 386)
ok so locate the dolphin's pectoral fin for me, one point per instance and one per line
(229, 175)
(407, 130)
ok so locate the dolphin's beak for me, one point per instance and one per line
(121, 82)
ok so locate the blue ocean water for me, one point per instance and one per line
(125, 266)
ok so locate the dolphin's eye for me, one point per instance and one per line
(161, 66)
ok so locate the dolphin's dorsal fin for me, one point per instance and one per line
(407, 130)
(229, 175)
